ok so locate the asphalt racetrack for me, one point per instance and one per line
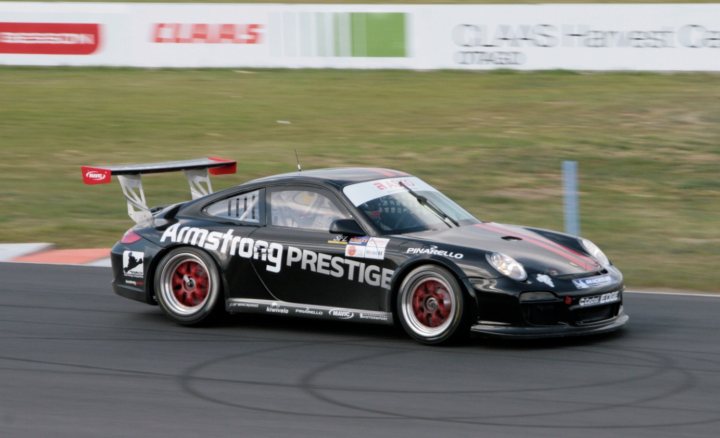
(78, 361)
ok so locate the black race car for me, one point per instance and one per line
(358, 244)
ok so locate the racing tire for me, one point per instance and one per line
(431, 306)
(188, 287)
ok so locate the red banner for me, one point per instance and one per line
(49, 38)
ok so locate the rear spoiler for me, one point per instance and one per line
(197, 172)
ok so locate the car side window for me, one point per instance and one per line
(304, 209)
(244, 207)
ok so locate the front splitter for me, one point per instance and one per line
(555, 331)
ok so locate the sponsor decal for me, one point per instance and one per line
(339, 267)
(93, 175)
(363, 192)
(227, 243)
(244, 304)
(544, 278)
(433, 250)
(274, 308)
(598, 300)
(341, 313)
(309, 311)
(339, 240)
(133, 263)
(49, 38)
(302, 310)
(373, 316)
(367, 247)
(138, 283)
(207, 33)
(585, 283)
(273, 254)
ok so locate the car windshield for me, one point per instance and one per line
(406, 205)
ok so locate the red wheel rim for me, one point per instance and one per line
(431, 303)
(190, 284)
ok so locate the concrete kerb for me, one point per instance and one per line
(11, 251)
(45, 253)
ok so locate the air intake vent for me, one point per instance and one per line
(509, 238)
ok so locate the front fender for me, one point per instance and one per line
(425, 259)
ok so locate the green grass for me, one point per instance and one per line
(648, 147)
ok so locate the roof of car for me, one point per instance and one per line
(339, 176)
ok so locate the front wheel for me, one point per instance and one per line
(187, 286)
(431, 306)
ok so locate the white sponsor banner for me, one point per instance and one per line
(583, 36)
(652, 37)
(272, 35)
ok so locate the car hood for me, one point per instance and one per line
(535, 251)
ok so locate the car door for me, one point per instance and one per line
(318, 267)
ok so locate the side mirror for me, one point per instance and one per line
(347, 227)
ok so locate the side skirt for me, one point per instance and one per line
(239, 305)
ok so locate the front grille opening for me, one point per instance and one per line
(558, 313)
(544, 313)
(593, 315)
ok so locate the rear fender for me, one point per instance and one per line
(155, 261)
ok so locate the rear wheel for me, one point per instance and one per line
(187, 286)
(431, 306)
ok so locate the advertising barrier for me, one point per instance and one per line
(649, 37)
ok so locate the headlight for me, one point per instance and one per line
(507, 266)
(595, 252)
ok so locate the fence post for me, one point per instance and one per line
(570, 196)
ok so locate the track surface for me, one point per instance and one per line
(77, 361)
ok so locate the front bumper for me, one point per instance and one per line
(561, 309)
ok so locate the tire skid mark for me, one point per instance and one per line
(563, 413)
(660, 366)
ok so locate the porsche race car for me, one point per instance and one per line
(358, 244)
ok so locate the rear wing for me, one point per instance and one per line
(196, 171)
